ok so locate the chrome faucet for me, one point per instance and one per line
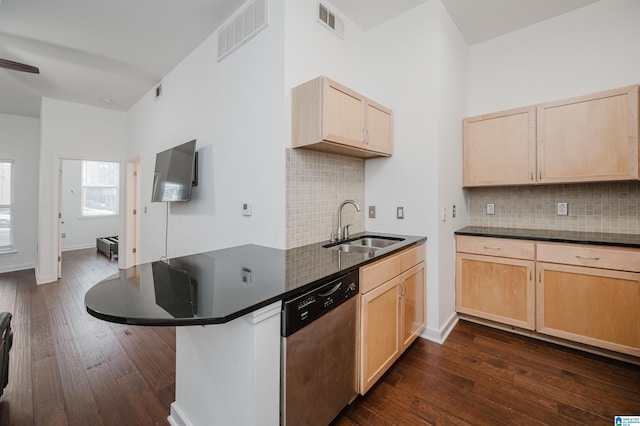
(343, 233)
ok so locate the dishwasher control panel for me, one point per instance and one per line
(303, 309)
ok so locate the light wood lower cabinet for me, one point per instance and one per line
(589, 294)
(583, 293)
(494, 280)
(392, 311)
(597, 307)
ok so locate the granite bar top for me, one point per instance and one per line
(218, 286)
(575, 237)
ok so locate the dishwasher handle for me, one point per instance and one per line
(331, 291)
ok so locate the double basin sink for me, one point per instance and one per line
(364, 244)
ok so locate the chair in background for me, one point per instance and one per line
(6, 341)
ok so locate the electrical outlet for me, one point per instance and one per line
(453, 211)
(372, 212)
(562, 209)
(491, 208)
(400, 212)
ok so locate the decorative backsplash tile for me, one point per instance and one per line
(593, 207)
(316, 185)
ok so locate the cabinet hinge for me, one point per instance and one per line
(133, 251)
(135, 211)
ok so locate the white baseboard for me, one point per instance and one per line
(177, 417)
(439, 336)
(79, 246)
(44, 279)
(14, 268)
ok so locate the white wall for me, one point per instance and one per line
(588, 50)
(80, 232)
(72, 131)
(20, 141)
(234, 108)
(416, 65)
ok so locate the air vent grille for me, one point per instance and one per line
(252, 18)
(330, 20)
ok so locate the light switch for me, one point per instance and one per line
(246, 209)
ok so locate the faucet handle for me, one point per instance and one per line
(345, 232)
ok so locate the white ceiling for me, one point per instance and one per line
(89, 51)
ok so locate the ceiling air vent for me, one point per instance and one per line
(242, 26)
(330, 20)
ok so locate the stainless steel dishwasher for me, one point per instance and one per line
(319, 352)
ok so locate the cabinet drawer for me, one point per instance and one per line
(375, 274)
(502, 247)
(588, 255)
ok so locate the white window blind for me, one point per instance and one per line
(6, 205)
(99, 188)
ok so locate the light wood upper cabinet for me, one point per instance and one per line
(329, 117)
(592, 138)
(499, 149)
(586, 139)
(392, 311)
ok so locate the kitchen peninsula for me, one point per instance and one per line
(227, 305)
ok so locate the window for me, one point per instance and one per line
(99, 188)
(6, 205)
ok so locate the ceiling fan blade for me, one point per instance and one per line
(17, 66)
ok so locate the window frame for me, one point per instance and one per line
(83, 186)
(10, 248)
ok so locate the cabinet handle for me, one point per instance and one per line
(491, 248)
(403, 285)
(588, 258)
(540, 174)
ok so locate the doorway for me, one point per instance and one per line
(88, 205)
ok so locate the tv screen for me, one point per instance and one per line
(174, 173)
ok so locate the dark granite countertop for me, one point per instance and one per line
(218, 286)
(575, 237)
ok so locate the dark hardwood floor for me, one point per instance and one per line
(483, 376)
(70, 368)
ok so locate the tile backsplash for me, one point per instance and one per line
(594, 207)
(316, 185)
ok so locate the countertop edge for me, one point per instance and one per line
(179, 322)
(569, 237)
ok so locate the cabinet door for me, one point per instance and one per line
(593, 138)
(499, 149)
(598, 307)
(496, 288)
(412, 297)
(379, 331)
(343, 117)
(379, 128)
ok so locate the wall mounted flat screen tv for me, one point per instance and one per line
(175, 173)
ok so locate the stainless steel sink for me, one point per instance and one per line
(364, 244)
